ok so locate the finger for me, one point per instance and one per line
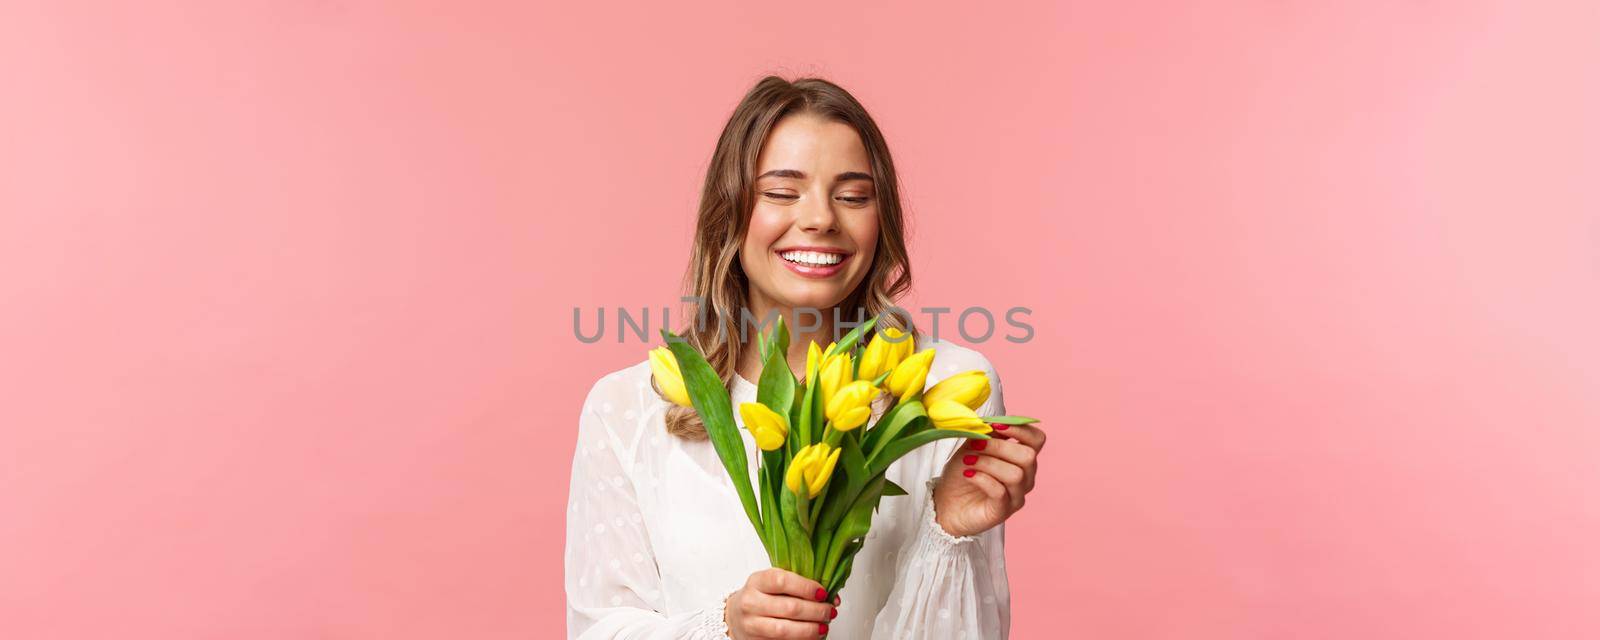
(790, 608)
(991, 487)
(1013, 452)
(779, 582)
(764, 627)
(1028, 434)
(1023, 456)
(1008, 474)
(1002, 470)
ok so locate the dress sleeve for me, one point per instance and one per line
(614, 590)
(950, 587)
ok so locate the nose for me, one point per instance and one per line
(817, 216)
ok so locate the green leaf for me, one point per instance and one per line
(769, 512)
(843, 572)
(711, 401)
(892, 423)
(801, 435)
(799, 398)
(819, 420)
(776, 387)
(777, 538)
(850, 339)
(779, 335)
(855, 478)
(818, 415)
(857, 521)
(892, 489)
(800, 553)
(1008, 419)
(895, 450)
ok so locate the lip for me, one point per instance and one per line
(805, 271)
(831, 250)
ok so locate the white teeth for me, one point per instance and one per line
(812, 258)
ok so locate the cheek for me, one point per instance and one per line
(865, 233)
(765, 228)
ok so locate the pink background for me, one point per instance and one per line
(287, 289)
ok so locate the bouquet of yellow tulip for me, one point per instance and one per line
(821, 473)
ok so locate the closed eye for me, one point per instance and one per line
(790, 196)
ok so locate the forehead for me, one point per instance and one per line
(809, 143)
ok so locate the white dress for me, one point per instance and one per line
(657, 538)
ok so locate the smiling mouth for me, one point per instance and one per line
(813, 258)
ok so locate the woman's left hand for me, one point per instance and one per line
(988, 480)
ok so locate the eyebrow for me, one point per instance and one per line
(794, 173)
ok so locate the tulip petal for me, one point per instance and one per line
(952, 415)
(664, 368)
(970, 388)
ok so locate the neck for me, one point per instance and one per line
(801, 333)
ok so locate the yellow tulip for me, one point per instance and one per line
(835, 374)
(851, 406)
(969, 388)
(664, 366)
(814, 359)
(887, 349)
(811, 468)
(795, 477)
(813, 356)
(768, 426)
(875, 359)
(949, 414)
(906, 381)
(823, 471)
(906, 346)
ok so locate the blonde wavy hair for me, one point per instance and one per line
(715, 276)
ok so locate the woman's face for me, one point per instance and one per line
(814, 226)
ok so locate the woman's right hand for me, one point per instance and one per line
(775, 603)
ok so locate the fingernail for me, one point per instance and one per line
(980, 445)
(1001, 427)
(822, 629)
(970, 472)
(822, 594)
(836, 601)
(970, 458)
(833, 613)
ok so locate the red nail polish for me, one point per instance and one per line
(1001, 427)
(822, 629)
(980, 445)
(969, 472)
(833, 613)
(970, 458)
(822, 595)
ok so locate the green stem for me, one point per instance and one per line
(802, 502)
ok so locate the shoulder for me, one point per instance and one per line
(621, 389)
(625, 379)
(620, 407)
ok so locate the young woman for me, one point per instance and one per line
(800, 210)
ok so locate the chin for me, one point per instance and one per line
(821, 301)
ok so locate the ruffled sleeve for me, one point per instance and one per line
(614, 590)
(950, 587)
